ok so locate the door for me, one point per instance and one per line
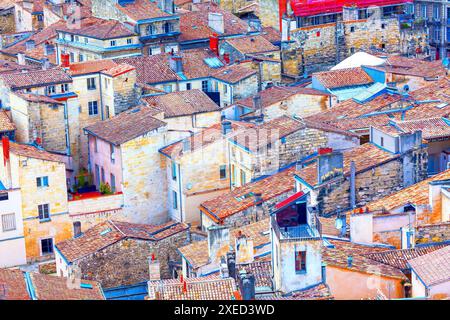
(301, 212)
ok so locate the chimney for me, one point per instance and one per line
(258, 199)
(226, 127)
(215, 22)
(247, 285)
(257, 104)
(45, 64)
(244, 249)
(21, 58)
(176, 63)
(154, 268)
(329, 165)
(65, 60)
(223, 268)
(218, 241)
(214, 43)
(49, 49)
(30, 45)
(231, 263)
(350, 261)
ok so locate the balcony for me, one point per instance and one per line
(299, 232)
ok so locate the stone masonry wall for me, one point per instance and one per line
(433, 233)
(126, 262)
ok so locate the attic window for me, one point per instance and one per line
(106, 231)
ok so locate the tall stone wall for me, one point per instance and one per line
(433, 233)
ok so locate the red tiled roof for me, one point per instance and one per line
(126, 126)
(97, 28)
(318, 292)
(234, 73)
(106, 233)
(343, 78)
(57, 288)
(433, 268)
(182, 103)
(416, 194)
(399, 258)
(412, 67)
(12, 285)
(35, 78)
(202, 288)
(252, 44)
(29, 151)
(203, 138)
(194, 24)
(431, 128)
(277, 94)
(31, 97)
(6, 124)
(271, 34)
(342, 249)
(141, 10)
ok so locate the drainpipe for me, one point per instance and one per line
(180, 193)
(101, 95)
(352, 185)
(66, 120)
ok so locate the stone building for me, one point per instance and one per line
(94, 39)
(41, 178)
(7, 20)
(29, 15)
(155, 22)
(277, 101)
(198, 169)
(117, 253)
(267, 147)
(121, 151)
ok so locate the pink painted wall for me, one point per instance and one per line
(102, 158)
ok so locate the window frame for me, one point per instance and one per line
(93, 106)
(11, 214)
(223, 168)
(42, 247)
(42, 182)
(45, 213)
(300, 261)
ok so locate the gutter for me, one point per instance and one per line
(30, 287)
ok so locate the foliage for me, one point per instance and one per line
(105, 188)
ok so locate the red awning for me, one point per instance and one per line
(292, 198)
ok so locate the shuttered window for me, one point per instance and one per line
(8, 222)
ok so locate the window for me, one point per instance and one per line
(80, 57)
(113, 183)
(40, 17)
(93, 108)
(175, 199)
(243, 178)
(436, 12)
(300, 261)
(188, 86)
(174, 171)
(225, 89)
(103, 175)
(154, 50)
(168, 88)
(64, 87)
(168, 27)
(129, 41)
(352, 29)
(383, 26)
(51, 89)
(223, 172)
(72, 37)
(423, 8)
(111, 152)
(47, 246)
(382, 141)
(4, 196)
(8, 222)
(205, 86)
(150, 29)
(76, 229)
(95, 145)
(44, 212)
(86, 40)
(91, 83)
(352, 50)
(72, 57)
(42, 181)
(97, 173)
(112, 43)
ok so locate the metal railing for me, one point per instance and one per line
(301, 232)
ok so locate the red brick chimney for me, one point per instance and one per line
(65, 60)
(214, 43)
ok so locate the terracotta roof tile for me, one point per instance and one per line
(252, 44)
(126, 126)
(434, 267)
(338, 256)
(6, 124)
(416, 194)
(35, 78)
(12, 285)
(203, 288)
(262, 270)
(431, 128)
(399, 258)
(31, 97)
(30, 151)
(233, 73)
(106, 233)
(97, 28)
(271, 34)
(413, 67)
(141, 10)
(57, 288)
(343, 78)
(194, 24)
(317, 292)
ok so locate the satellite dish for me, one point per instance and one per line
(189, 185)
